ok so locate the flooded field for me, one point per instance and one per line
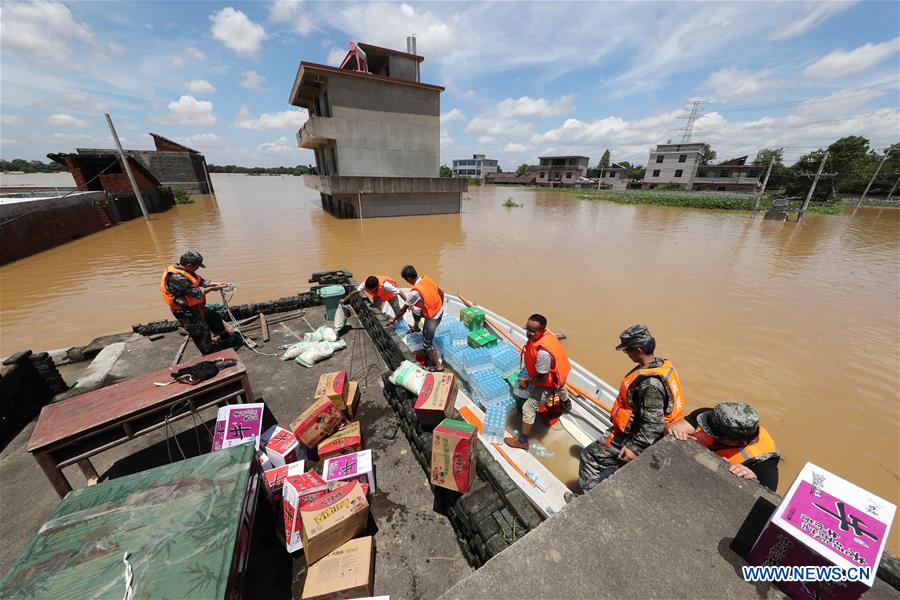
(801, 321)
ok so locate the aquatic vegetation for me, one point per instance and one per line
(510, 203)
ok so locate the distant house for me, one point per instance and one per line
(614, 177)
(561, 170)
(528, 177)
(682, 164)
(478, 166)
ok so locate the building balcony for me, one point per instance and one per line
(751, 181)
(351, 184)
(316, 132)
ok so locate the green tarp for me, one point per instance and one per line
(179, 524)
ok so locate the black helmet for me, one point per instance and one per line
(192, 258)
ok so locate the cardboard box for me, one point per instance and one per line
(824, 520)
(321, 419)
(296, 488)
(352, 398)
(334, 386)
(263, 459)
(481, 338)
(345, 573)
(273, 479)
(282, 447)
(472, 317)
(453, 455)
(331, 519)
(357, 466)
(241, 422)
(344, 441)
(218, 434)
(436, 399)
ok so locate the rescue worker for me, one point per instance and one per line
(649, 396)
(185, 293)
(548, 368)
(381, 289)
(732, 430)
(426, 299)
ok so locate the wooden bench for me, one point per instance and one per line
(71, 431)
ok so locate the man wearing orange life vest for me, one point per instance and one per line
(732, 430)
(548, 368)
(649, 396)
(185, 293)
(381, 288)
(426, 299)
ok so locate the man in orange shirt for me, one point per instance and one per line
(426, 299)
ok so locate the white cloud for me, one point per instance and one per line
(514, 147)
(177, 62)
(201, 86)
(84, 103)
(842, 63)
(279, 146)
(819, 11)
(335, 56)
(62, 120)
(11, 120)
(446, 139)
(187, 110)
(535, 107)
(293, 12)
(195, 53)
(485, 139)
(452, 115)
(252, 81)
(236, 31)
(505, 119)
(116, 47)
(200, 139)
(42, 32)
(733, 83)
(288, 119)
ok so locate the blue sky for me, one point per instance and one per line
(522, 78)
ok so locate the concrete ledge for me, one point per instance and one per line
(661, 527)
(348, 184)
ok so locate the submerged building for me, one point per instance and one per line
(375, 130)
(682, 164)
(561, 171)
(478, 166)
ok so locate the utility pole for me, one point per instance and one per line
(887, 152)
(762, 190)
(134, 186)
(812, 188)
(891, 195)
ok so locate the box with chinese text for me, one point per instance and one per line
(282, 447)
(274, 479)
(358, 466)
(345, 573)
(241, 422)
(321, 419)
(344, 441)
(331, 519)
(334, 386)
(436, 398)
(453, 455)
(296, 488)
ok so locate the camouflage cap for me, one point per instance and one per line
(636, 335)
(192, 258)
(735, 420)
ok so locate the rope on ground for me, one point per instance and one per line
(238, 327)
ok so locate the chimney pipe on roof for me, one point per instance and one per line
(412, 42)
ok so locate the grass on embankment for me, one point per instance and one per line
(685, 199)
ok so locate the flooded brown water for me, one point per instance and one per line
(802, 321)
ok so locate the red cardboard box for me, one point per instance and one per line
(358, 466)
(453, 455)
(329, 520)
(352, 398)
(274, 478)
(343, 441)
(334, 386)
(436, 399)
(345, 573)
(321, 419)
(282, 447)
(296, 489)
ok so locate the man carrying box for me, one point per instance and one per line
(381, 288)
(427, 300)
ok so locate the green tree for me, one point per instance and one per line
(522, 168)
(780, 175)
(802, 174)
(637, 172)
(709, 155)
(604, 160)
(446, 171)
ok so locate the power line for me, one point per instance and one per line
(691, 119)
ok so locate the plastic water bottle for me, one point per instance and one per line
(536, 480)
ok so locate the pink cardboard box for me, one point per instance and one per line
(282, 447)
(356, 466)
(825, 520)
(218, 434)
(274, 478)
(297, 487)
(242, 422)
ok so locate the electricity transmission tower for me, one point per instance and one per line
(691, 119)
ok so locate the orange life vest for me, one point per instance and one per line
(559, 360)
(623, 410)
(764, 444)
(431, 297)
(189, 300)
(381, 293)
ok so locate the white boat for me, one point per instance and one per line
(587, 421)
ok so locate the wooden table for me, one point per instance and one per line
(71, 431)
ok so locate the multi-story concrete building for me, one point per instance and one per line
(615, 176)
(478, 166)
(683, 164)
(375, 131)
(561, 170)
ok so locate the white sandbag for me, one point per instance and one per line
(340, 318)
(322, 334)
(317, 352)
(410, 376)
(294, 350)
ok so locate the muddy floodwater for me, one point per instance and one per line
(802, 321)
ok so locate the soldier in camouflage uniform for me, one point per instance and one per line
(648, 396)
